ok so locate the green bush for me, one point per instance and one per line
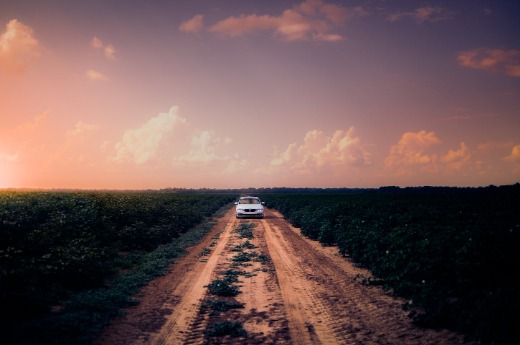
(222, 287)
(58, 247)
(223, 306)
(450, 251)
(220, 329)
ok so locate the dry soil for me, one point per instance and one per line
(293, 291)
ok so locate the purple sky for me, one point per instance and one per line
(230, 94)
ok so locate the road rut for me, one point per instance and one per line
(293, 291)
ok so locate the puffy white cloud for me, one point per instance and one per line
(94, 75)
(309, 20)
(108, 49)
(110, 52)
(204, 146)
(412, 152)
(205, 151)
(515, 154)
(142, 144)
(321, 153)
(235, 164)
(422, 14)
(419, 154)
(96, 43)
(238, 26)
(194, 24)
(18, 48)
(169, 140)
(458, 159)
(411, 147)
(503, 61)
(514, 157)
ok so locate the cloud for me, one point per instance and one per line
(411, 151)
(169, 140)
(18, 48)
(96, 43)
(34, 124)
(205, 147)
(418, 158)
(76, 147)
(422, 14)
(238, 26)
(81, 128)
(110, 52)
(195, 24)
(515, 154)
(142, 144)
(309, 20)
(457, 159)
(415, 155)
(514, 157)
(108, 49)
(322, 153)
(95, 75)
(503, 61)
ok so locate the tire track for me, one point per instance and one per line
(183, 325)
(309, 322)
(339, 309)
(305, 294)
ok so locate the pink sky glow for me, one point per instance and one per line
(234, 94)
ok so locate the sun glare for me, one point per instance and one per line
(5, 180)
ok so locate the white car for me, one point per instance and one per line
(249, 206)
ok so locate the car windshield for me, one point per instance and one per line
(249, 201)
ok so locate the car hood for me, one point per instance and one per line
(250, 206)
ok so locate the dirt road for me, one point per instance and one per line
(261, 282)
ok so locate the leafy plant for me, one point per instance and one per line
(222, 287)
(220, 329)
(245, 230)
(242, 246)
(451, 251)
(262, 258)
(86, 254)
(223, 306)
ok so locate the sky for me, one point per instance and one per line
(152, 94)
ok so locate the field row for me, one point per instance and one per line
(452, 253)
(70, 261)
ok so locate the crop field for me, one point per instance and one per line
(453, 253)
(69, 261)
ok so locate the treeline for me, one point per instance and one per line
(451, 252)
(342, 190)
(55, 245)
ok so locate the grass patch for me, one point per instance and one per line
(83, 315)
(231, 275)
(220, 329)
(222, 287)
(241, 247)
(245, 230)
(223, 306)
(243, 257)
(205, 252)
(262, 258)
